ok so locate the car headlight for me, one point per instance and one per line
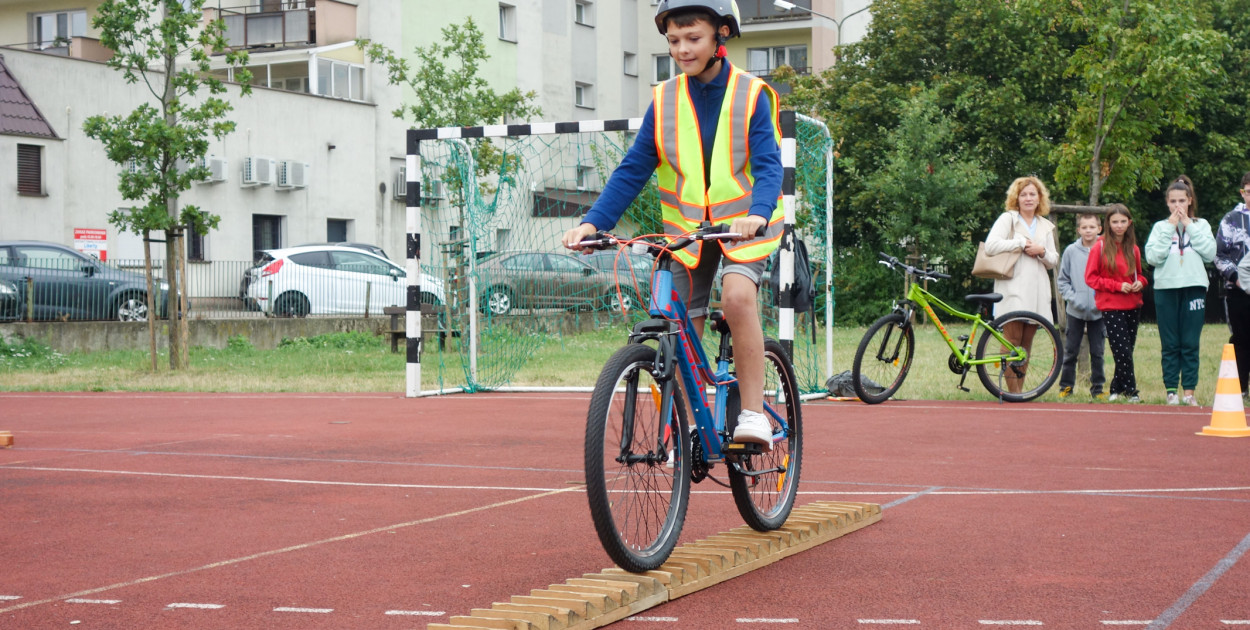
(7, 289)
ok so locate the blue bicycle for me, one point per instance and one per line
(640, 455)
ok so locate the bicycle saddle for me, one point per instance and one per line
(985, 299)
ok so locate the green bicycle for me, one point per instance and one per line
(1026, 355)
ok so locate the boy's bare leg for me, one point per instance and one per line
(738, 299)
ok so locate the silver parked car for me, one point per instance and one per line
(68, 285)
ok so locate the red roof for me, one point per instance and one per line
(18, 114)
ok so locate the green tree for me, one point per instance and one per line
(1144, 67)
(922, 191)
(447, 91)
(159, 138)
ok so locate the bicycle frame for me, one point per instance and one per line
(919, 296)
(678, 346)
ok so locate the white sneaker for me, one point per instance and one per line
(1191, 401)
(1113, 397)
(1173, 400)
(754, 427)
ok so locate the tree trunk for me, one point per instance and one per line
(174, 269)
(147, 272)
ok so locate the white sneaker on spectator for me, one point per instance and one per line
(1172, 399)
(1191, 401)
(754, 427)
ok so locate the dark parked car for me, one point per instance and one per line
(630, 269)
(69, 285)
(545, 280)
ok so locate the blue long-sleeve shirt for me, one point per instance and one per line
(642, 159)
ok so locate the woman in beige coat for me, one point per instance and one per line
(1023, 228)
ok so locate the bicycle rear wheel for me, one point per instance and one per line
(1020, 381)
(765, 500)
(637, 463)
(883, 359)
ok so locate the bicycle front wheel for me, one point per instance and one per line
(637, 463)
(764, 500)
(1020, 381)
(883, 359)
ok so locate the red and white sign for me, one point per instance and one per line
(92, 242)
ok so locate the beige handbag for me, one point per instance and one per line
(1000, 267)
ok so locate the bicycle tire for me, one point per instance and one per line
(638, 507)
(889, 372)
(765, 501)
(1041, 368)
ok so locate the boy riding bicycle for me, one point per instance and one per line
(728, 171)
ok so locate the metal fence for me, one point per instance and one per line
(67, 290)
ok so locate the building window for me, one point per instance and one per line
(631, 64)
(507, 22)
(665, 69)
(340, 80)
(583, 13)
(195, 245)
(584, 176)
(765, 60)
(266, 233)
(336, 230)
(29, 169)
(583, 95)
(54, 29)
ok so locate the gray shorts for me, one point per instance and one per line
(702, 277)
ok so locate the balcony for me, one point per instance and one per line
(282, 24)
(77, 47)
(762, 12)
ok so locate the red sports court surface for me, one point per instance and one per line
(373, 511)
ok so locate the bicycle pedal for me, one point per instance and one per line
(963, 388)
(744, 448)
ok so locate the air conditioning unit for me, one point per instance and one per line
(258, 171)
(401, 183)
(434, 189)
(216, 169)
(292, 174)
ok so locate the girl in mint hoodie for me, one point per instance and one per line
(1179, 248)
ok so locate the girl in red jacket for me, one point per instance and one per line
(1114, 273)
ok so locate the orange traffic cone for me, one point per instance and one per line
(6, 439)
(1228, 415)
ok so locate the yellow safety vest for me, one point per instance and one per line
(686, 199)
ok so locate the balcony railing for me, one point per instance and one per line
(761, 11)
(286, 23)
(73, 47)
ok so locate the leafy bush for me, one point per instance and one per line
(239, 343)
(356, 340)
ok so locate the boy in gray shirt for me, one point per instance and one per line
(1083, 317)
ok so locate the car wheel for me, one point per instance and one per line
(291, 305)
(497, 301)
(132, 308)
(625, 301)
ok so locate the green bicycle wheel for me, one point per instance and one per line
(1020, 381)
(883, 359)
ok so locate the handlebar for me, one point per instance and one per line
(892, 262)
(706, 232)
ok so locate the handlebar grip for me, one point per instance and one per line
(761, 230)
(940, 276)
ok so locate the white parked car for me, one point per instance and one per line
(329, 280)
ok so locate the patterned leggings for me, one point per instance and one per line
(1122, 337)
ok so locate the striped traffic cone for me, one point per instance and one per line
(1228, 415)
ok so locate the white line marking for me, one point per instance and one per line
(299, 547)
(199, 606)
(1235, 622)
(765, 620)
(1010, 622)
(278, 480)
(419, 613)
(891, 622)
(1124, 622)
(6, 598)
(664, 619)
(320, 611)
(75, 600)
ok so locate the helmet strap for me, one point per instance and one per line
(721, 53)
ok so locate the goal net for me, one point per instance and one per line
(486, 207)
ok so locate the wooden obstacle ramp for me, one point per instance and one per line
(598, 599)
